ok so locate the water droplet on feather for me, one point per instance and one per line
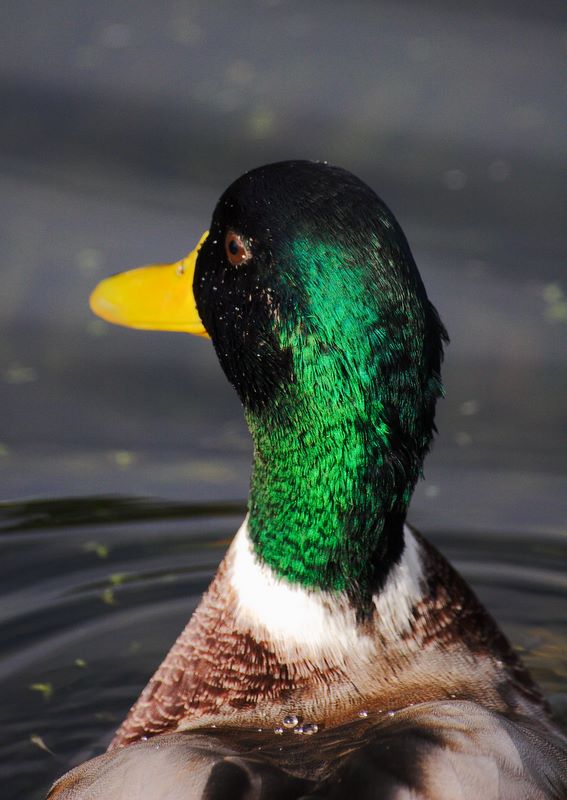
(310, 728)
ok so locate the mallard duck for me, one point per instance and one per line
(336, 653)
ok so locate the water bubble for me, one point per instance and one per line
(279, 730)
(309, 728)
(299, 729)
(391, 713)
(363, 713)
(290, 721)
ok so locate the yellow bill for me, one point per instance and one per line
(158, 297)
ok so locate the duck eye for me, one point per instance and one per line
(236, 250)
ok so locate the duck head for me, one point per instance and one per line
(307, 287)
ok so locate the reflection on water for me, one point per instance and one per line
(96, 590)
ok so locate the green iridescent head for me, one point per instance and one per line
(319, 317)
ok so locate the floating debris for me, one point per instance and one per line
(105, 716)
(80, 662)
(38, 741)
(18, 374)
(556, 303)
(123, 458)
(46, 689)
(261, 123)
(101, 550)
(108, 597)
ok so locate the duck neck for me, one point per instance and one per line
(339, 442)
(324, 512)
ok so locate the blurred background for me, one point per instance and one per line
(121, 124)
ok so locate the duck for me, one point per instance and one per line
(336, 652)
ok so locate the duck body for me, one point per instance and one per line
(336, 652)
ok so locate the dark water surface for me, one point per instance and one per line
(95, 590)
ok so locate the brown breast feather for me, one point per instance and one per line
(216, 673)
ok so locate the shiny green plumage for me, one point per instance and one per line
(335, 353)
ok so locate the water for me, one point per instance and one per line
(94, 593)
(96, 589)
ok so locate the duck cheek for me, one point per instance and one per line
(209, 290)
(252, 359)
